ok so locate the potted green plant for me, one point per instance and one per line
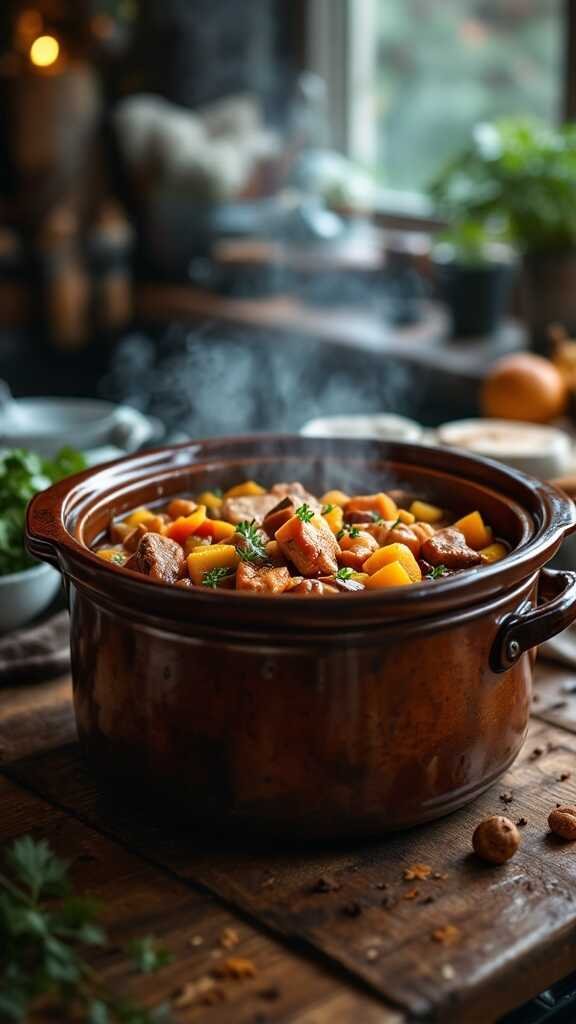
(474, 273)
(517, 177)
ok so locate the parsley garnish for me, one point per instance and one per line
(44, 928)
(437, 572)
(327, 508)
(345, 573)
(304, 513)
(352, 531)
(213, 577)
(251, 548)
(118, 558)
(395, 524)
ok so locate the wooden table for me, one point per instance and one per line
(336, 934)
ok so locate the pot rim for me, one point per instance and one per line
(55, 518)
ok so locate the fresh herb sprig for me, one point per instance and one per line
(326, 509)
(305, 513)
(251, 548)
(213, 577)
(22, 475)
(345, 573)
(352, 531)
(437, 572)
(44, 930)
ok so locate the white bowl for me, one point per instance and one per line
(24, 595)
(543, 451)
(383, 426)
(47, 424)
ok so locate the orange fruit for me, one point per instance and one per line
(524, 387)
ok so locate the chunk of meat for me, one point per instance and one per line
(248, 507)
(279, 515)
(271, 580)
(311, 546)
(355, 550)
(448, 547)
(298, 493)
(160, 558)
(314, 588)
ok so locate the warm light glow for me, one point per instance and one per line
(44, 51)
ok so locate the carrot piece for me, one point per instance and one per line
(184, 526)
(476, 533)
(394, 553)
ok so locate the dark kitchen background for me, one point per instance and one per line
(233, 215)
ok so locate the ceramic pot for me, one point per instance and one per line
(349, 714)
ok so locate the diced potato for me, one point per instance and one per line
(335, 498)
(211, 500)
(406, 517)
(218, 529)
(476, 533)
(217, 556)
(335, 519)
(425, 513)
(381, 503)
(183, 527)
(494, 553)
(392, 575)
(181, 507)
(139, 515)
(115, 555)
(248, 489)
(390, 554)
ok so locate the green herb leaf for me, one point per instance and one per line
(352, 531)
(437, 572)
(304, 513)
(345, 573)
(37, 869)
(213, 578)
(148, 954)
(326, 509)
(251, 546)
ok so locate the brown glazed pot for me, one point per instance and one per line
(312, 717)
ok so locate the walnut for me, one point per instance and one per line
(496, 839)
(562, 822)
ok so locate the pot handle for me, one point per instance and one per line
(521, 631)
(42, 525)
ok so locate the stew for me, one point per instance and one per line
(287, 540)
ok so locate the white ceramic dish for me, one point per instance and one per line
(543, 451)
(383, 426)
(24, 595)
(46, 424)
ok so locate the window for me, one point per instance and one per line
(409, 78)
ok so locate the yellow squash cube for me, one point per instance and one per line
(476, 533)
(392, 575)
(425, 513)
(211, 500)
(139, 515)
(493, 553)
(249, 489)
(335, 519)
(406, 517)
(394, 553)
(335, 498)
(216, 556)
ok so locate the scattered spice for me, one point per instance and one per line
(536, 753)
(381, 885)
(418, 872)
(195, 992)
(411, 894)
(426, 901)
(448, 972)
(557, 706)
(372, 954)
(496, 839)
(388, 902)
(196, 941)
(447, 935)
(440, 876)
(352, 909)
(563, 776)
(236, 967)
(521, 822)
(229, 938)
(324, 884)
(268, 882)
(506, 798)
(562, 822)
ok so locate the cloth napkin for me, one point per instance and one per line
(40, 651)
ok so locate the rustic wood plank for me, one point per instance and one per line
(554, 698)
(138, 899)
(35, 717)
(516, 924)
